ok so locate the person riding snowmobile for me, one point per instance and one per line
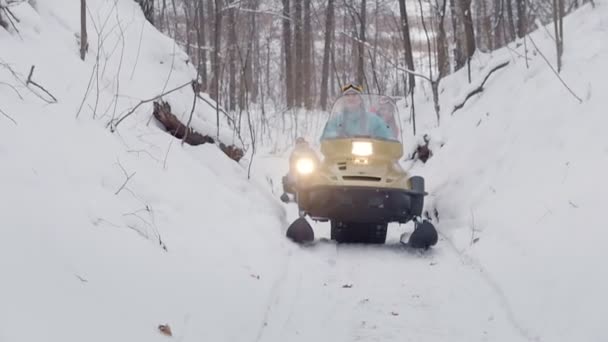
(355, 120)
(386, 110)
(301, 149)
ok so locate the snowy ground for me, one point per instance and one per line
(191, 242)
(519, 191)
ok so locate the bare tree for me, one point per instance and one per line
(202, 44)
(299, 51)
(307, 57)
(84, 43)
(521, 18)
(407, 44)
(232, 58)
(510, 21)
(147, 7)
(558, 24)
(469, 33)
(287, 48)
(329, 33)
(217, 41)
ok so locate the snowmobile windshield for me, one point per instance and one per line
(363, 116)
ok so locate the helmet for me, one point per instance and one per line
(352, 89)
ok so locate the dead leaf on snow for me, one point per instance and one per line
(165, 329)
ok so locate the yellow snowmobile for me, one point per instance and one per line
(358, 185)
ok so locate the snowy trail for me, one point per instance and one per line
(383, 293)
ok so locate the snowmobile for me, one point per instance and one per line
(358, 184)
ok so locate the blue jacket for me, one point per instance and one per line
(357, 124)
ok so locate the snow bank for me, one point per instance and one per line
(522, 169)
(107, 235)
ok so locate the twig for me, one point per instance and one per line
(8, 117)
(480, 88)
(217, 108)
(86, 93)
(554, 71)
(276, 14)
(141, 36)
(113, 126)
(9, 15)
(144, 152)
(122, 53)
(167, 154)
(126, 180)
(30, 81)
(388, 59)
(14, 89)
(191, 113)
(81, 278)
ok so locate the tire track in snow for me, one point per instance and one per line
(499, 293)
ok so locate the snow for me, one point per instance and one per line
(516, 178)
(83, 259)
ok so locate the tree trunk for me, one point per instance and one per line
(217, 41)
(287, 48)
(254, 60)
(187, 13)
(407, 44)
(469, 32)
(459, 59)
(521, 18)
(147, 6)
(558, 16)
(329, 32)
(510, 22)
(361, 45)
(299, 52)
(202, 45)
(84, 43)
(443, 63)
(307, 55)
(232, 58)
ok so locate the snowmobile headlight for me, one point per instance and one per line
(305, 166)
(362, 148)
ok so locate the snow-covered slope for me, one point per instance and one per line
(106, 235)
(523, 169)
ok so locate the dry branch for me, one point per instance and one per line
(8, 117)
(162, 113)
(127, 179)
(113, 125)
(388, 59)
(30, 81)
(554, 71)
(480, 88)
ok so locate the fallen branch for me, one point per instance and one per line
(9, 15)
(162, 113)
(113, 125)
(30, 81)
(480, 88)
(554, 71)
(188, 129)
